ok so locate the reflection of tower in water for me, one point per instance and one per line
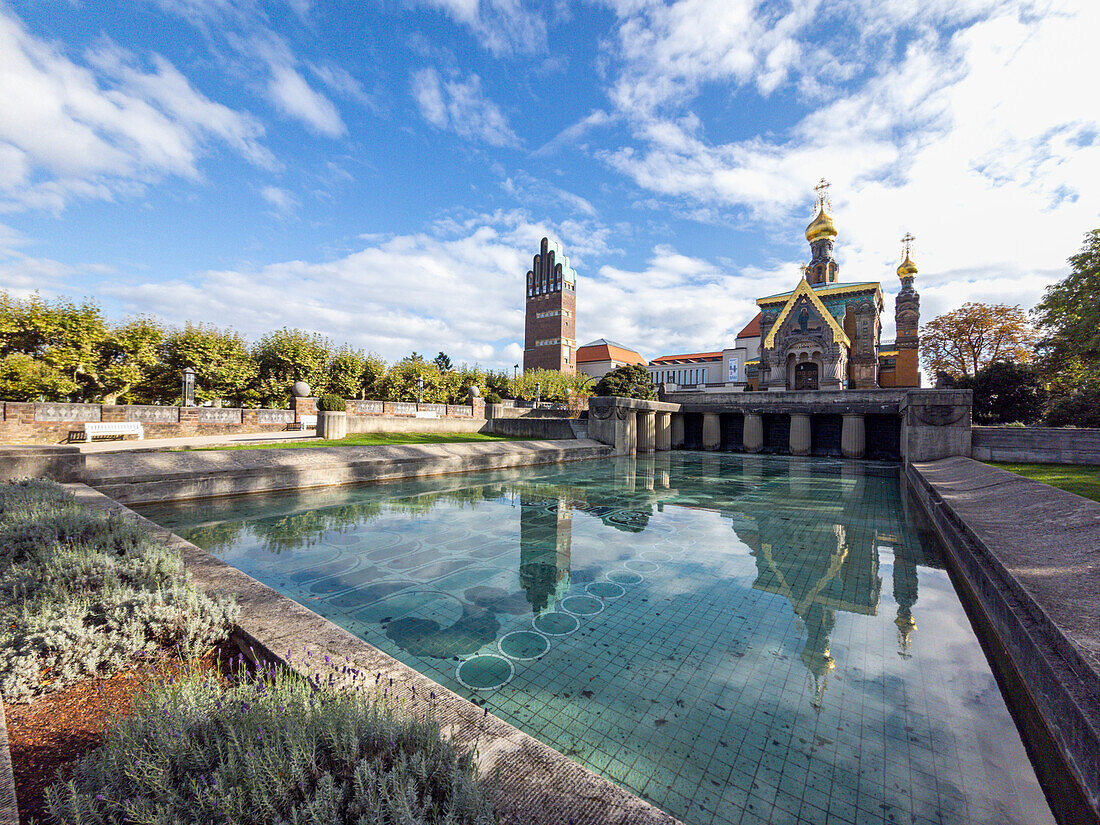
(905, 594)
(545, 535)
(832, 568)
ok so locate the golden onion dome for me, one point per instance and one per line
(907, 269)
(821, 227)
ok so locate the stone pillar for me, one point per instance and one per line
(853, 438)
(800, 434)
(626, 431)
(676, 437)
(663, 437)
(712, 431)
(303, 406)
(647, 431)
(754, 432)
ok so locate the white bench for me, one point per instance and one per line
(304, 422)
(113, 429)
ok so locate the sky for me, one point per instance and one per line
(382, 172)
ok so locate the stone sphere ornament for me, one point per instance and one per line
(300, 389)
(475, 391)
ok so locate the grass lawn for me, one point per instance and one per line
(372, 440)
(1082, 479)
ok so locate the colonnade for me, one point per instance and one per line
(853, 435)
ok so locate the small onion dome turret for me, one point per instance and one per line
(821, 227)
(907, 269)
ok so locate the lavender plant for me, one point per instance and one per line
(272, 748)
(83, 593)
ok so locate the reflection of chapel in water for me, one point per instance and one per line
(831, 567)
(545, 535)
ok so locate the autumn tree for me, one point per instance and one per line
(966, 339)
(345, 373)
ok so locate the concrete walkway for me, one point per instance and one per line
(142, 477)
(1028, 555)
(192, 442)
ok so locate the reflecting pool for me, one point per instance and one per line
(738, 639)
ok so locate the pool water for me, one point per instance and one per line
(738, 639)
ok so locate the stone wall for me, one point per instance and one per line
(1041, 445)
(54, 422)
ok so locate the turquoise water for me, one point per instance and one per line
(738, 639)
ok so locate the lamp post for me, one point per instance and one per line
(538, 394)
(419, 389)
(515, 378)
(187, 392)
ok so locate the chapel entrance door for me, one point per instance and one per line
(805, 376)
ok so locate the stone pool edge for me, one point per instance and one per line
(147, 478)
(531, 782)
(1013, 586)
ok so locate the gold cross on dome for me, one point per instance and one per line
(907, 240)
(822, 190)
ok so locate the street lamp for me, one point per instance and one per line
(419, 389)
(538, 393)
(515, 377)
(187, 393)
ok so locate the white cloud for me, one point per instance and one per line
(458, 288)
(102, 129)
(501, 26)
(461, 106)
(282, 201)
(978, 142)
(290, 93)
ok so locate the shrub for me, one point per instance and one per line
(1005, 391)
(1079, 408)
(86, 592)
(631, 381)
(270, 749)
(493, 398)
(331, 403)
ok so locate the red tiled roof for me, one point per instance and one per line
(752, 329)
(607, 352)
(688, 358)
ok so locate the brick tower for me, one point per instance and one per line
(907, 318)
(550, 333)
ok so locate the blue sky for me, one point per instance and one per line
(382, 172)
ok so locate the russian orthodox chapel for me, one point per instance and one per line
(825, 334)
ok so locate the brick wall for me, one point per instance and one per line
(51, 423)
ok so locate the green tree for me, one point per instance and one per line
(400, 383)
(443, 361)
(374, 373)
(128, 359)
(224, 369)
(499, 383)
(1069, 313)
(345, 373)
(64, 337)
(631, 381)
(288, 355)
(555, 385)
(1007, 393)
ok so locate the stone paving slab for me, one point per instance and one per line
(532, 783)
(149, 477)
(9, 812)
(1030, 554)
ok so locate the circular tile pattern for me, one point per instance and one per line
(656, 555)
(605, 590)
(556, 623)
(486, 671)
(581, 605)
(642, 566)
(524, 645)
(624, 577)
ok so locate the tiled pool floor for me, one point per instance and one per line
(738, 639)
